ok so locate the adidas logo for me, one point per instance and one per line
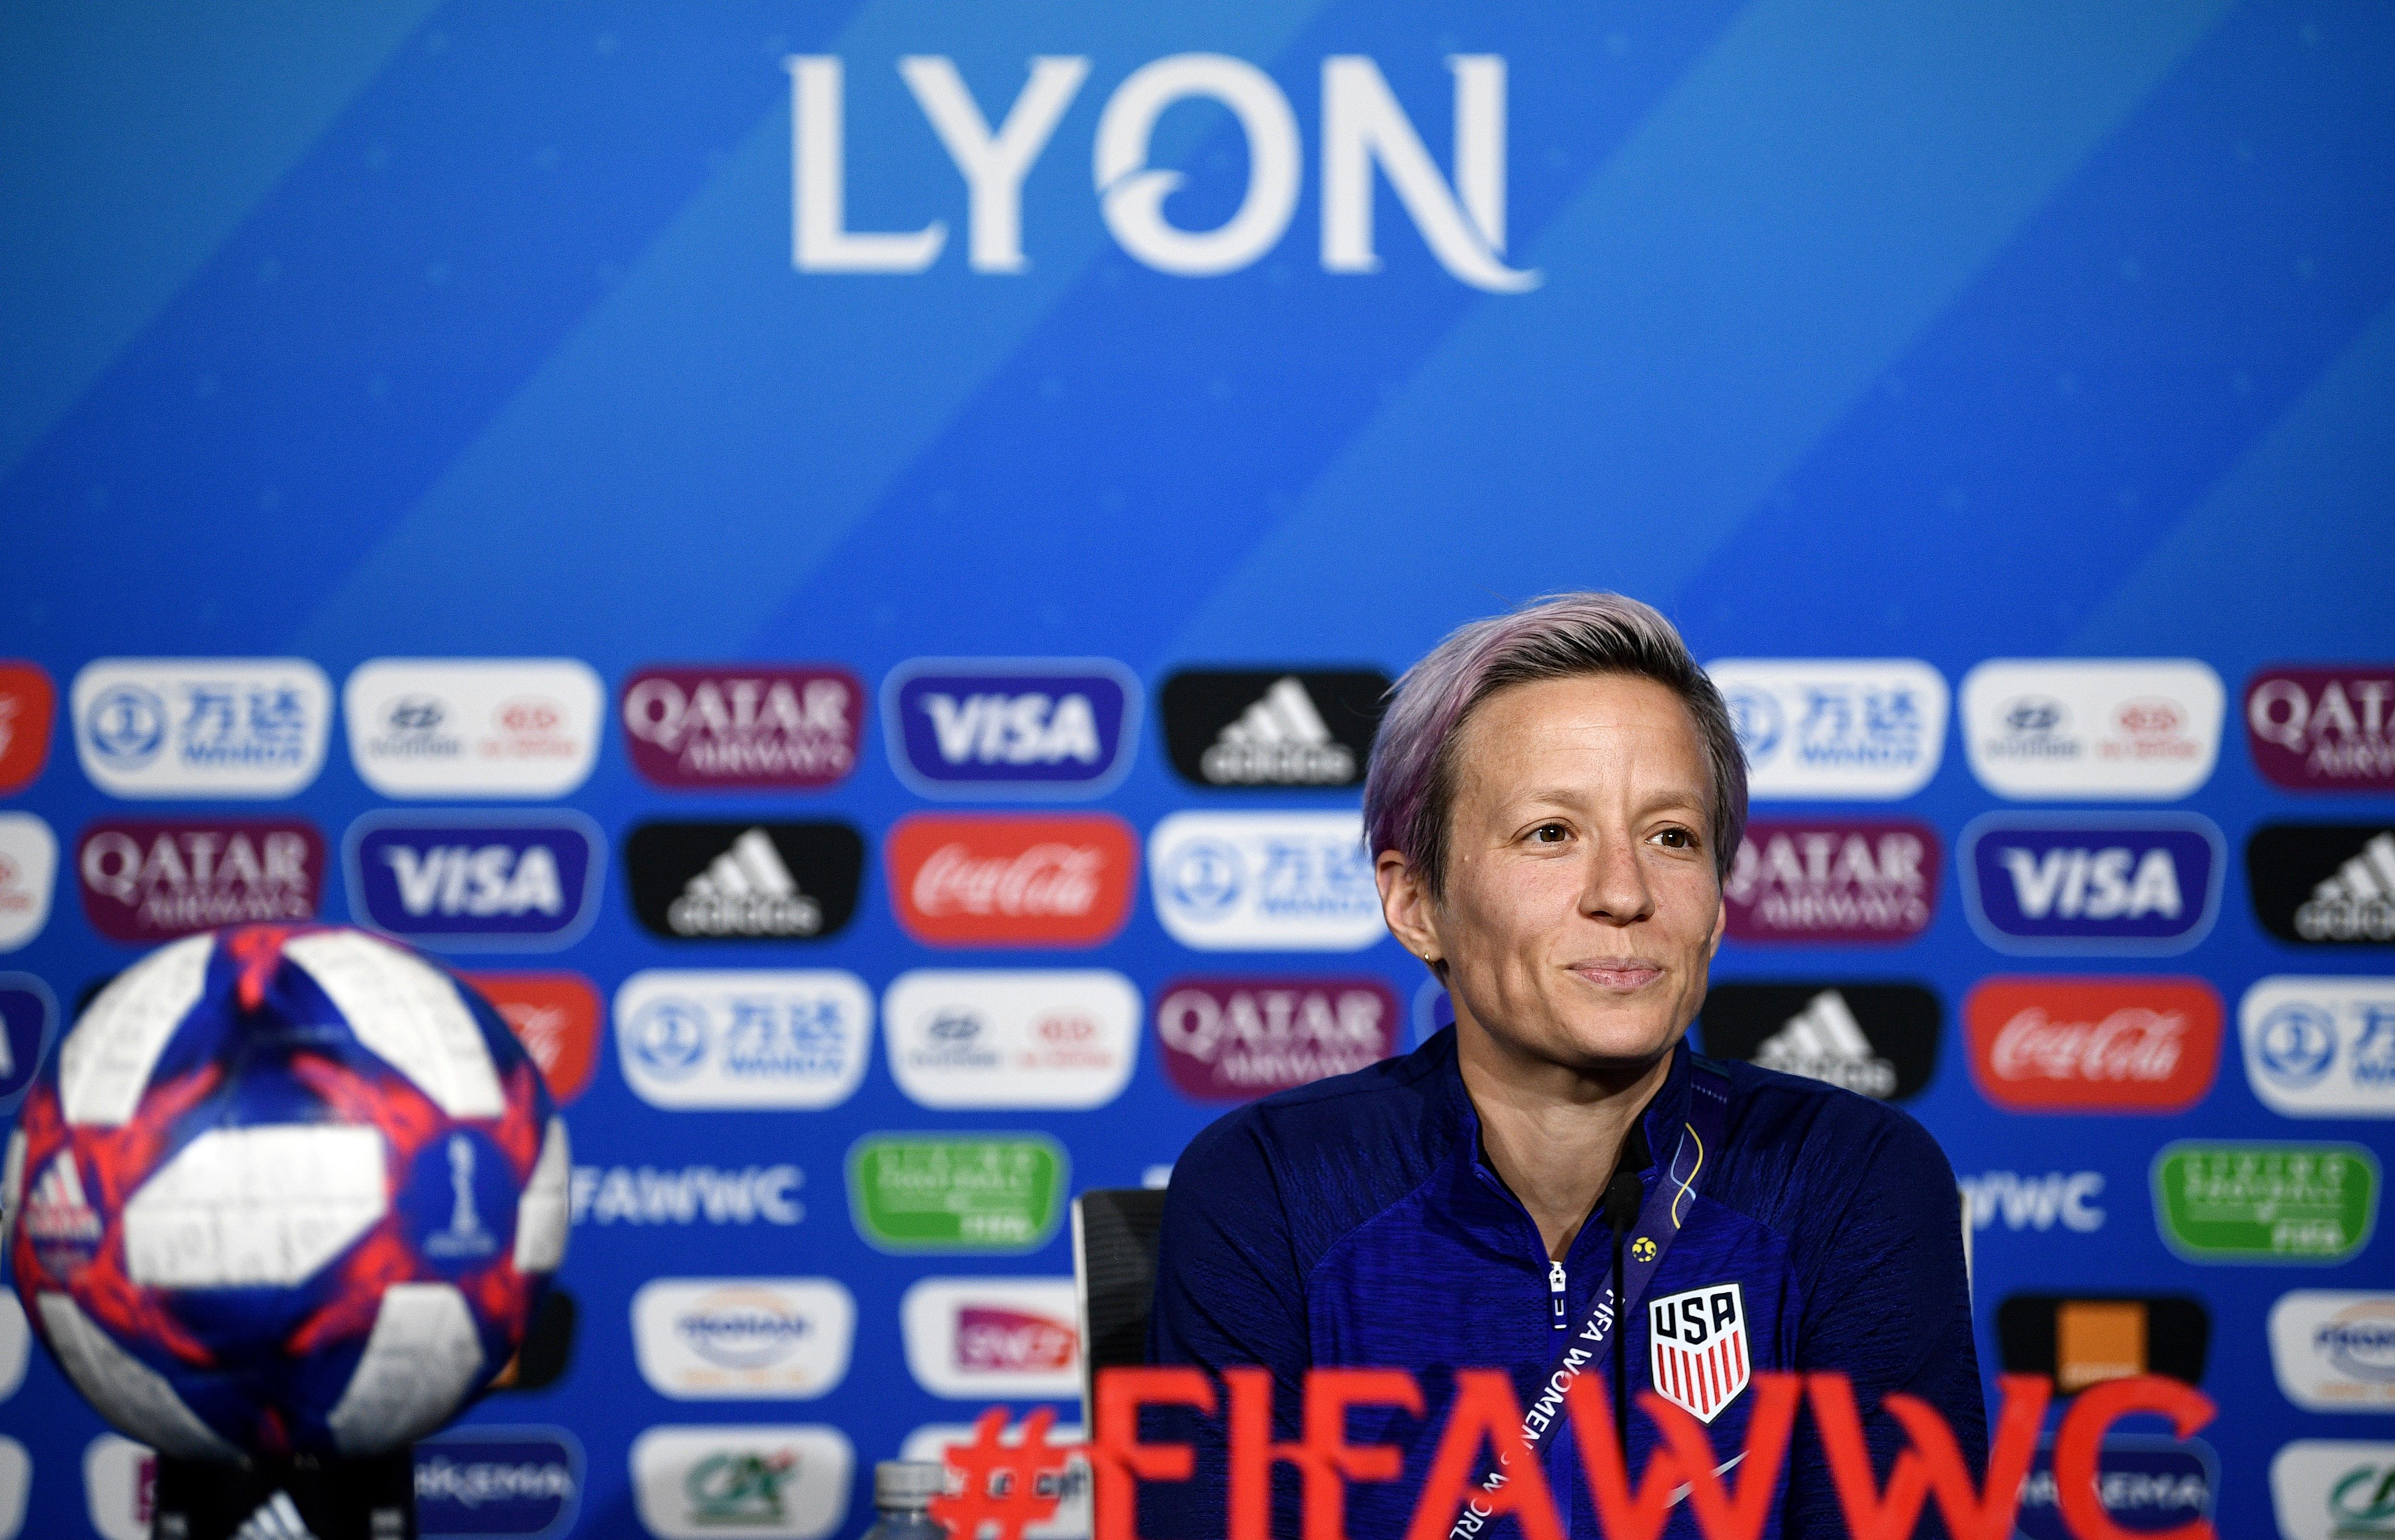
(746, 891)
(2357, 902)
(1824, 1042)
(57, 1213)
(1281, 740)
(276, 1519)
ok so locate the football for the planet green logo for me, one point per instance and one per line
(2265, 1202)
(939, 1194)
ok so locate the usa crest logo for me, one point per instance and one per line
(1696, 1349)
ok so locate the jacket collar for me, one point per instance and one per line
(1471, 1191)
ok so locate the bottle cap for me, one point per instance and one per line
(908, 1484)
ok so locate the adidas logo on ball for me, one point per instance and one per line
(57, 1213)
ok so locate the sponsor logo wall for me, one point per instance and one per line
(473, 727)
(28, 703)
(2092, 729)
(1831, 729)
(833, 1044)
(1272, 727)
(2324, 729)
(1064, 880)
(201, 727)
(744, 881)
(1877, 1039)
(473, 882)
(2094, 1045)
(743, 726)
(2324, 885)
(743, 1338)
(1830, 881)
(2092, 885)
(148, 881)
(1012, 728)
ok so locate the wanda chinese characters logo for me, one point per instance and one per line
(965, 881)
(2094, 1045)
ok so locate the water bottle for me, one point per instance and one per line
(902, 1491)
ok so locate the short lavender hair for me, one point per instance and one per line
(1410, 789)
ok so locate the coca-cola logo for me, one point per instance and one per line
(27, 704)
(1047, 878)
(994, 1340)
(555, 1016)
(2094, 1045)
(967, 881)
(145, 880)
(1236, 1039)
(2134, 1042)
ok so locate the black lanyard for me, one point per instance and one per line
(1659, 1218)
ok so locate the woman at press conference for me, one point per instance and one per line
(1554, 799)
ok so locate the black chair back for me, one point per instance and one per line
(1114, 1280)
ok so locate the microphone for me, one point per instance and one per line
(1621, 1198)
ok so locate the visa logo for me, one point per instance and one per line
(1025, 729)
(2092, 884)
(1010, 727)
(492, 879)
(2097, 884)
(461, 881)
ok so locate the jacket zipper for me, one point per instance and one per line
(1555, 1283)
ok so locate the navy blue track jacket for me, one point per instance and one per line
(1355, 1221)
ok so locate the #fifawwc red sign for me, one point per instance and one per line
(961, 880)
(1236, 1039)
(2094, 1045)
(150, 880)
(1832, 879)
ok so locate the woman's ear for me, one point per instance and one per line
(1406, 905)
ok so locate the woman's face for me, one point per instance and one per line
(1581, 907)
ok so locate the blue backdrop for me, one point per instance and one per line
(453, 329)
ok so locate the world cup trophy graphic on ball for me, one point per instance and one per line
(285, 1194)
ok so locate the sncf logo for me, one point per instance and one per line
(1000, 727)
(1367, 136)
(2065, 883)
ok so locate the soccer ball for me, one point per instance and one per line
(284, 1190)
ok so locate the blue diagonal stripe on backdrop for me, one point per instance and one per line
(1808, 198)
(1140, 441)
(721, 422)
(140, 136)
(2116, 360)
(397, 287)
(2293, 539)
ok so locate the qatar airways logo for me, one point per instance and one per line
(1367, 136)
